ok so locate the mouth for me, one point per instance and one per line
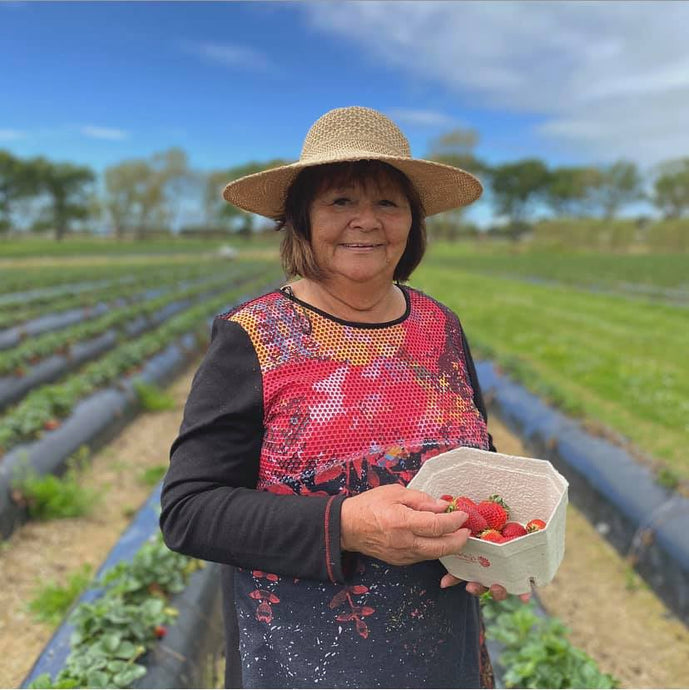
(360, 245)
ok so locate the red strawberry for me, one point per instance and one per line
(51, 424)
(160, 631)
(475, 522)
(512, 530)
(495, 511)
(535, 525)
(492, 535)
(464, 503)
(447, 497)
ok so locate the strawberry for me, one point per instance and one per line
(160, 631)
(447, 497)
(463, 503)
(475, 522)
(492, 535)
(535, 525)
(495, 511)
(512, 530)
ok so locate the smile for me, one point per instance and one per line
(359, 245)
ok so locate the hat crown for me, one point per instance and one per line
(354, 131)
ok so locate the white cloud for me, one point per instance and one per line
(230, 55)
(12, 134)
(110, 133)
(608, 78)
(421, 118)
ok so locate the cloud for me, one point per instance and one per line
(110, 133)
(421, 118)
(599, 76)
(12, 134)
(230, 55)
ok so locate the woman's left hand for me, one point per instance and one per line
(477, 589)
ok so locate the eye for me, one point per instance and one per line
(387, 202)
(341, 201)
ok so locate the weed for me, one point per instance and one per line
(152, 475)
(667, 479)
(52, 601)
(152, 398)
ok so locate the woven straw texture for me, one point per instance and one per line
(350, 134)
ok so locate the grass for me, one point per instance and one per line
(634, 274)
(50, 497)
(152, 475)
(152, 398)
(612, 361)
(51, 601)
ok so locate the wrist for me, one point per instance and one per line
(346, 526)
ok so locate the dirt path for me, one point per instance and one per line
(613, 616)
(627, 630)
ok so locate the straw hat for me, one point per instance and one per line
(352, 134)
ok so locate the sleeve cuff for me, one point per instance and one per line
(339, 564)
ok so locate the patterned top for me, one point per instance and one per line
(348, 407)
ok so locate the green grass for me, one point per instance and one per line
(51, 601)
(152, 398)
(613, 361)
(50, 497)
(634, 274)
(152, 475)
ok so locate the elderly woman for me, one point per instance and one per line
(314, 406)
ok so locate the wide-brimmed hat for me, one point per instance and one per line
(353, 134)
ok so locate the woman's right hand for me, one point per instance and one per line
(401, 526)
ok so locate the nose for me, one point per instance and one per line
(366, 216)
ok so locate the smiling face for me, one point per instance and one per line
(359, 231)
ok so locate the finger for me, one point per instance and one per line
(448, 580)
(420, 500)
(499, 592)
(437, 547)
(476, 588)
(422, 524)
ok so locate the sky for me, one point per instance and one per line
(569, 82)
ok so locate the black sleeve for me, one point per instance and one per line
(478, 396)
(210, 506)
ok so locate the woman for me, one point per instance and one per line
(314, 407)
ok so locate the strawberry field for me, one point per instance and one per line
(97, 351)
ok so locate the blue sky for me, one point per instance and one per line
(96, 83)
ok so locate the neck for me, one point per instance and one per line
(364, 303)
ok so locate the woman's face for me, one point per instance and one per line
(359, 232)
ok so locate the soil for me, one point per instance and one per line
(612, 615)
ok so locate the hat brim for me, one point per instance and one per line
(441, 187)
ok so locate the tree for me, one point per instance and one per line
(516, 185)
(68, 188)
(672, 188)
(141, 193)
(456, 148)
(14, 185)
(617, 185)
(217, 210)
(569, 190)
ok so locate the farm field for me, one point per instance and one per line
(602, 337)
(617, 361)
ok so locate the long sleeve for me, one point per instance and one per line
(210, 507)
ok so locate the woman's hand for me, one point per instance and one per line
(401, 526)
(498, 592)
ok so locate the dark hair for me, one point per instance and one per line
(296, 251)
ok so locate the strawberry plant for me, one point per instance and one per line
(113, 633)
(537, 653)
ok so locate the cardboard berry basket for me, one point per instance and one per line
(531, 488)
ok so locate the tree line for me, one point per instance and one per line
(137, 197)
